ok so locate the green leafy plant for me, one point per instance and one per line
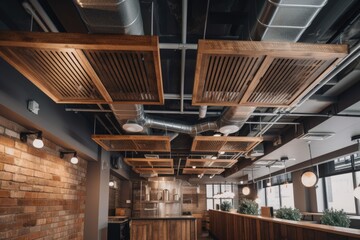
(334, 217)
(248, 206)
(225, 206)
(288, 213)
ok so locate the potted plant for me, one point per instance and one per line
(288, 213)
(334, 217)
(225, 206)
(248, 206)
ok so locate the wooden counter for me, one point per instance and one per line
(228, 226)
(163, 228)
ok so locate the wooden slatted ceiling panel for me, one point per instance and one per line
(85, 68)
(133, 143)
(60, 73)
(226, 144)
(264, 74)
(128, 76)
(149, 162)
(214, 163)
(154, 170)
(202, 170)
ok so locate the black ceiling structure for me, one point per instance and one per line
(180, 24)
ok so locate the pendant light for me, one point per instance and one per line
(357, 189)
(309, 178)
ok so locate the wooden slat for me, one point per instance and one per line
(225, 225)
(260, 74)
(88, 69)
(202, 170)
(139, 143)
(214, 163)
(226, 144)
(150, 162)
(168, 171)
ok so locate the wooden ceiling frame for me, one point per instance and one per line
(260, 74)
(219, 144)
(149, 162)
(141, 143)
(88, 68)
(165, 171)
(210, 163)
(198, 171)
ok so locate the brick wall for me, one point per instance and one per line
(41, 195)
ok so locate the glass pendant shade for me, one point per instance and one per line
(309, 179)
(245, 191)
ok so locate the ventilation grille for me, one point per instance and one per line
(260, 74)
(202, 170)
(224, 144)
(150, 171)
(133, 143)
(217, 163)
(85, 68)
(148, 162)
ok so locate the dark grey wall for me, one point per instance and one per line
(67, 128)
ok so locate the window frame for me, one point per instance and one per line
(221, 190)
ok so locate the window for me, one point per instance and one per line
(262, 197)
(273, 197)
(287, 195)
(213, 189)
(339, 192)
(320, 196)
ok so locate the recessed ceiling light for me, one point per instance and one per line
(316, 136)
(217, 135)
(214, 157)
(193, 167)
(228, 129)
(222, 152)
(132, 127)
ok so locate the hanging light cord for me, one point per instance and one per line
(310, 153)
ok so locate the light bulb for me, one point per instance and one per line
(38, 143)
(74, 160)
(111, 184)
(193, 167)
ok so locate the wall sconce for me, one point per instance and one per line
(74, 159)
(37, 143)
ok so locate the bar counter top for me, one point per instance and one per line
(180, 217)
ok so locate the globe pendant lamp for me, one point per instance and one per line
(309, 178)
(245, 190)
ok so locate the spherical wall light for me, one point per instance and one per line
(309, 178)
(245, 191)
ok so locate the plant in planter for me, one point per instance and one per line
(334, 217)
(248, 206)
(225, 206)
(288, 213)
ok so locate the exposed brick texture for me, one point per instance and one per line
(41, 195)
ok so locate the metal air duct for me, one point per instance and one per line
(111, 16)
(285, 20)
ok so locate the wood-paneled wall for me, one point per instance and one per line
(163, 229)
(228, 226)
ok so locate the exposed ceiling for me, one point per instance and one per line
(179, 26)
